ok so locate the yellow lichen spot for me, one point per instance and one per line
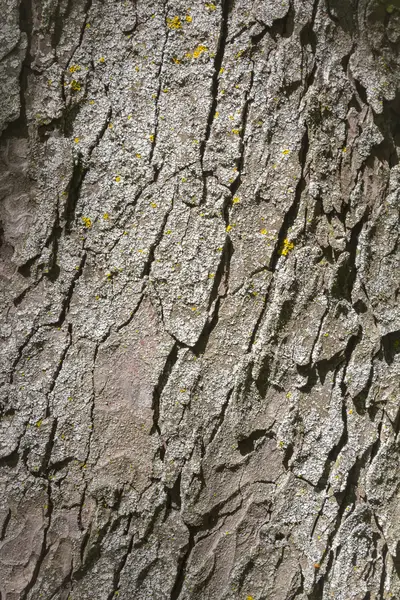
(87, 221)
(249, 598)
(350, 411)
(118, 179)
(285, 152)
(168, 232)
(239, 54)
(151, 138)
(210, 6)
(390, 8)
(221, 70)
(211, 275)
(137, 68)
(138, 155)
(176, 60)
(236, 131)
(216, 115)
(344, 150)
(199, 51)
(49, 81)
(287, 246)
(236, 200)
(88, 26)
(91, 102)
(174, 23)
(97, 298)
(153, 205)
(194, 308)
(102, 59)
(264, 231)
(76, 140)
(228, 228)
(165, 90)
(75, 85)
(110, 126)
(188, 19)
(38, 423)
(108, 275)
(74, 68)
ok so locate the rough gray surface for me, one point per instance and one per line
(200, 265)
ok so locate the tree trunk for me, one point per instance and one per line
(200, 273)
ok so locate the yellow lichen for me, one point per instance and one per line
(264, 231)
(228, 228)
(188, 18)
(285, 152)
(118, 179)
(210, 6)
(87, 221)
(151, 138)
(287, 246)
(110, 126)
(74, 68)
(102, 59)
(153, 205)
(75, 85)
(221, 70)
(76, 140)
(174, 23)
(199, 51)
(236, 131)
(138, 155)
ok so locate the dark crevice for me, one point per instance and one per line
(218, 59)
(68, 296)
(222, 275)
(73, 193)
(291, 214)
(5, 525)
(248, 444)
(221, 416)
(158, 390)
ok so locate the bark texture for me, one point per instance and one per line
(200, 267)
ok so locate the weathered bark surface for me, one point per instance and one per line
(200, 272)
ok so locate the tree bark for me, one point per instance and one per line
(200, 341)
